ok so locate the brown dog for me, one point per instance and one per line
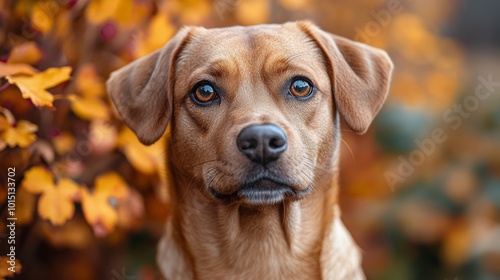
(254, 146)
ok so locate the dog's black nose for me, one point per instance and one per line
(262, 143)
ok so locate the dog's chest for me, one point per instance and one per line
(268, 258)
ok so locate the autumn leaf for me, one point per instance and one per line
(111, 185)
(98, 207)
(34, 87)
(89, 108)
(16, 68)
(37, 180)
(5, 265)
(146, 159)
(17, 134)
(27, 52)
(56, 203)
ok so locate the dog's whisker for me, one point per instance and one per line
(348, 147)
(207, 161)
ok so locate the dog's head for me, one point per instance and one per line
(254, 111)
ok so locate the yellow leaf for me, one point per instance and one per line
(37, 180)
(20, 135)
(146, 159)
(34, 87)
(55, 209)
(88, 82)
(123, 12)
(14, 69)
(56, 204)
(68, 188)
(41, 17)
(89, 108)
(98, 212)
(25, 53)
(4, 267)
(111, 185)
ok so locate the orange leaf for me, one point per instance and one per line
(34, 87)
(37, 180)
(56, 204)
(89, 108)
(111, 185)
(25, 53)
(20, 135)
(97, 207)
(98, 212)
(146, 159)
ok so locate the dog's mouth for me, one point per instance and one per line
(261, 191)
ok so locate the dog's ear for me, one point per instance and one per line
(142, 91)
(360, 76)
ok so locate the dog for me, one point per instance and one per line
(254, 115)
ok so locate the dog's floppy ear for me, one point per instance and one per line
(142, 91)
(360, 76)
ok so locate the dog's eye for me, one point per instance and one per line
(301, 88)
(204, 93)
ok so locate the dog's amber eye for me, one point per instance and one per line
(301, 88)
(204, 94)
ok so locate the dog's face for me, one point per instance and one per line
(253, 110)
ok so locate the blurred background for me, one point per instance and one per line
(420, 192)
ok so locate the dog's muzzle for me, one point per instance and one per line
(262, 144)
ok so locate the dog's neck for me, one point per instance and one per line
(208, 240)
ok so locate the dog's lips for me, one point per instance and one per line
(263, 191)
